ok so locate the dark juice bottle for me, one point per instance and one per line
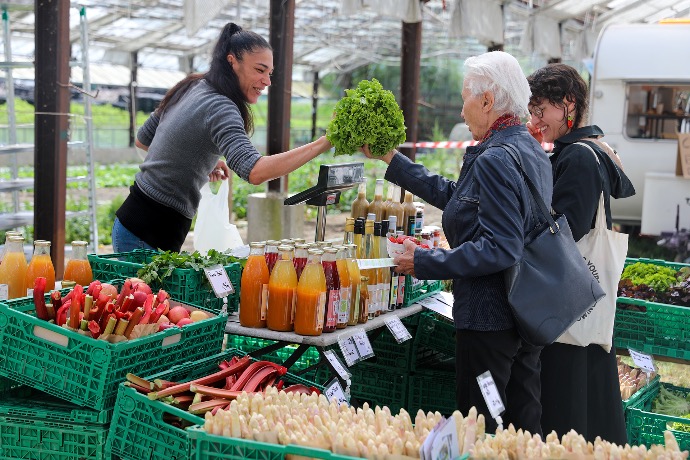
(300, 260)
(330, 269)
(271, 254)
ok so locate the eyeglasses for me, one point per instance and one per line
(537, 112)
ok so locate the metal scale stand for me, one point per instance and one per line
(333, 179)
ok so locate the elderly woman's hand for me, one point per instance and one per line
(387, 157)
(405, 261)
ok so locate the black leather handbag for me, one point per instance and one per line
(551, 287)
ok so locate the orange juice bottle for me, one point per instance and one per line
(13, 269)
(254, 288)
(78, 268)
(281, 292)
(345, 288)
(311, 296)
(41, 265)
(8, 233)
(355, 282)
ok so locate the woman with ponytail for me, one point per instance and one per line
(202, 119)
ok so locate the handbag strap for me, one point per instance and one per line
(532, 188)
(600, 217)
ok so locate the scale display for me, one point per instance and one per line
(332, 180)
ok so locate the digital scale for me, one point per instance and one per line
(333, 179)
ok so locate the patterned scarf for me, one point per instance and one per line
(503, 122)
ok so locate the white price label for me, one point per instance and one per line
(220, 283)
(363, 344)
(398, 329)
(4, 291)
(490, 393)
(334, 390)
(349, 350)
(337, 365)
(642, 360)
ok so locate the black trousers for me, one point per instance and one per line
(514, 367)
(580, 391)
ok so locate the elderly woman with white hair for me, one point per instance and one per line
(487, 213)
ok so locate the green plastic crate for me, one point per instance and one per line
(85, 371)
(665, 263)
(431, 391)
(661, 330)
(379, 386)
(251, 344)
(646, 427)
(140, 428)
(185, 284)
(39, 426)
(212, 447)
(419, 289)
(434, 341)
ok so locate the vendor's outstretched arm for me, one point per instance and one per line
(272, 166)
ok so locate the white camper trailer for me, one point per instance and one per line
(640, 97)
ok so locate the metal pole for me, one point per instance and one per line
(320, 223)
(11, 115)
(89, 128)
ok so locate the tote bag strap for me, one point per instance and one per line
(600, 219)
(533, 190)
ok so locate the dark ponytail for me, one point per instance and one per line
(221, 76)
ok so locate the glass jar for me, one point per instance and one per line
(78, 268)
(40, 265)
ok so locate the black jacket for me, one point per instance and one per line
(579, 180)
(486, 214)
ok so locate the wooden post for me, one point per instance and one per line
(409, 81)
(132, 106)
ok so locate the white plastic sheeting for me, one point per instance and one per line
(198, 13)
(479, 19)
(542, 36)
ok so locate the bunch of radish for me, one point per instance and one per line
(101, 311)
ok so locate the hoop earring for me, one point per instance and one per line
(570, 121)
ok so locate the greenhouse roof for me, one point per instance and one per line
(334, 35)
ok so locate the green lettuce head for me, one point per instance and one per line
(369, 115)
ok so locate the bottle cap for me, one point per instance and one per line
(315, 251)
(258, 244)
(286, 247)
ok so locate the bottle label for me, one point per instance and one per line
(394, 292)
(320, 311)
(401, 289)
(333, 304)
(4, 291)
(264, 302)
(344, 310)
(355, 304)
(29, 292)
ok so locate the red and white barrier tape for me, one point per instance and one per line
(548, 146)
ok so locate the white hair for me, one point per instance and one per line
(499, 73)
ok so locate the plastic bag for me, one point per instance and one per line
(213, 229)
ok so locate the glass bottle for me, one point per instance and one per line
(355, 282)
(7, 235)
(377, 302)
(349, 236)
(298, 241)
(300, 260)
(78, 268)
(387, 203)
(370, 273)
(396, 209)
(40, 265)
(281, 291)
(254, 288)
(385, 271)
(393, 296)
(330, 269)
(376, 206)
(310, 308)
(409, 209)
(361, 204)
(345, 287)
(359, 238)
(13, 269)
(271, 254)
(364, 300)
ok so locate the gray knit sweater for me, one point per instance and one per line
(185, 144)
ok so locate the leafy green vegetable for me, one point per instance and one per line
(655, 276)
(369, 115)
(670, 403)
(163, 264)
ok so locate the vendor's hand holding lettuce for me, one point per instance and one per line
(367, 115)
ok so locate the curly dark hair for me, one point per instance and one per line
(556, 82)
(221, 76)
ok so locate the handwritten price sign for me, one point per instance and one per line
(220, 283)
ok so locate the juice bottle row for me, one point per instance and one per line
(17, 276)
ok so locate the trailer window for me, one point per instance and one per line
(657, 111)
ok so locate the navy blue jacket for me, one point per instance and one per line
(486, 214)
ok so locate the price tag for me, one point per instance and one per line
(490, 393)
(363, 345)
(219, 280)
(334, 390)
(398, 329)
(337, 365)
(4, 291)
(349, 350)
(642, 360)
(29, 292)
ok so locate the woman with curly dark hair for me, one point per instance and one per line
(203, 117)
(580, 388)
